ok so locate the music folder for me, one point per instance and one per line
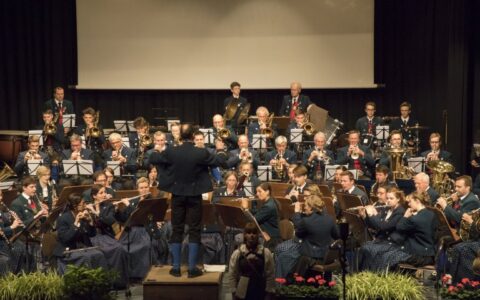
(78, 167)
(296, 135)
(68, 121)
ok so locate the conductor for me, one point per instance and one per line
(187, 179)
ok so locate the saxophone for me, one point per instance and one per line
(464, 230)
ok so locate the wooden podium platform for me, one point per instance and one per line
(159, 284)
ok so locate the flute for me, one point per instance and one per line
(363, 207)
(115, 203)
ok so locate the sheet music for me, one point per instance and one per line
(78, 167)
(417, 164)
(330, 171)
(115, 165)
(126, 141)
(209, 136)
(382, 132)
(33, 165)
(68, 121)
(296, 135)
(170, 122)
(5, 185)
(37, 132)
(264, 173)
(259, 141)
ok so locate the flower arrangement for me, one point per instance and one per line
(465, 289)
(295, 286)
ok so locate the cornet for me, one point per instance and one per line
(245, 155)
(322, 156)
(278, 167)
(354, 154)
(433, 155)
(32, 154)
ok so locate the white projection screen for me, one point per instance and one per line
(206, 44)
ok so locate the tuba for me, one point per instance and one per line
(440, 180)
(50, 128)
(399, 171)
(95, 132)
(464, 230)
(6, 173)
(268, 131)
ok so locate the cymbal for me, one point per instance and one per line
(417, 127)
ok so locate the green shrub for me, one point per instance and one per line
(32, 286)
(85, 283)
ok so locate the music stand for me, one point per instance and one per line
(171, 122)
(264, 173)
(347, 201)
(68, 121)
(210, 217)
(126, 141)
(25, 232)
(39, 133)
(115, 165)
(5, 185)
(68, 190)
(209, 136)
(330, 171)
(326, 191)
(296, 135)
(281, 122)
(417, 164)
(382, 132)
(78, 167)
(248, 189)
(259, 141)
(33, 165)
(357, 228)
(124, 126)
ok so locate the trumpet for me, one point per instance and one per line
(354, 154)
(449, 199)
(278, 167)
(50, 128)
(32, 154)
(322, 156)
(245, 155)
(433, 155)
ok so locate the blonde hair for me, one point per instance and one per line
(314, 190)
(42, 170)
(315, 202)
(142, 180)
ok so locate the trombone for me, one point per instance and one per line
(308, 127)
(268, 131)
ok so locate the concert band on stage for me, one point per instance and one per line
(402, 196)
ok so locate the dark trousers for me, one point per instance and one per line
(186, 210)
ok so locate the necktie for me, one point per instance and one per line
(294, 108)
(370, 127)
(32, 204)
(60, 113)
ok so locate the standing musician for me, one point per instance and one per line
(317, 158)
(294, 101)
(367, 125)
(99, 178)
(75, 228)
(299, 183)
(59, 105)
(12, 259)
(230, 188)
(247, 178)
(403, 122)
(383, 222)
(418, 226)
(92, 131)
(396, 141)
(262, 124)
(463, 201)
(188, 180)
(280, 158)
(103, 213)
(224, 132)
(236, 100)
(381, 178)
(435, 153)
(33, 153)
(140, 140)
(53, 135)
(357, 156)
(243, 154)
(422, 184)
(46, 190)
(267, 215)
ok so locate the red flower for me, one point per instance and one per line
(321, 281)
(474, 283)
(281, 280)
(447, 278)
(459, 285)
(318, 277)
(332, 283)
(465, 281)
(452, 289)
(299, 279)
(311, 280)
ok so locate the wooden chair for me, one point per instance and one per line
(330, 209)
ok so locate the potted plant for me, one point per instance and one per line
(465, 289)
(86, 283)
(297, 287)
(33, 286)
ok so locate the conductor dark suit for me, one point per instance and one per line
(303, 103)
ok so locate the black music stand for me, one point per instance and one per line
(347, 201)
(259, 142)
(209, 135)
(124, 126)
(264, 173)
(78, 167)
(68, 190)
(32, 166)
(296, 135)
(357, 227)
(68, 121)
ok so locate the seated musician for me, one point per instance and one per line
(103, 214)
(33, 153)
(435, 152)
(243, 153)
(124, 155)
(357, 156)
(338, 173)
(53, 135)
(348, 185)
(27, 206)
(140, 141)
(381, 178)
(235, 100)
(261, 124)
(100, 178)
(290, 174)
(267, 215)
(110, 185)
(395, 143)
(46, 190)
(367, 125)
(226, 133)
(382, 221)
(295, 101)
(159, 144)
(139, 236)
(299, 183)
(317, 158)
(418, 226)
(93, 134)
(298, 123)
(462, 201)
(280, 158)
(403, 122)
(76, 151)
(248, 180)
(422, 184)
(75, 228)
(230, 189)
(12, 257)
(251, 260)
(173, 137)
(152, 176)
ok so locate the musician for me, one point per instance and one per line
(139, 236)
(381, 178)
(77, 152)
(103, 214)
(300, 183)
(141, 126)
(403, 122)
(338, 173)
(464, 201)
(422, 184)
(418, 226)
(46, 190)
(99, 178)
(396, 141)
(262, 123)
(59, 105)
(75, 228)
(383, 223)
(280, 158)
(236, 101)
(267, 215)
(93, 135)
(173, 137)
(230, 188)
(294, 101)
(435, 153)
(357, 156)
(27, 206)
(110, 184)
(348, 185)
(159, 144)
(366, 125)
(52, 142)
(187, 182)
(33, 153)
(290, 174)
(121, 153)
(317, 157)
(12, 259)
(250, 179)
(253, 261)
(298, 123)
(243, 154)
(152, 176)
(218, 125)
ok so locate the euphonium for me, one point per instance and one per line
(95, 132)
(224, 133)
(50, 128)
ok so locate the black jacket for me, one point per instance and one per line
(420, 231)
(385, 229)
(467, 204)
(69, 236)
(362, 124)
(303, 103)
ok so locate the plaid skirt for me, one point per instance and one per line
(370, 253)
(460, 259)
(286, 256)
